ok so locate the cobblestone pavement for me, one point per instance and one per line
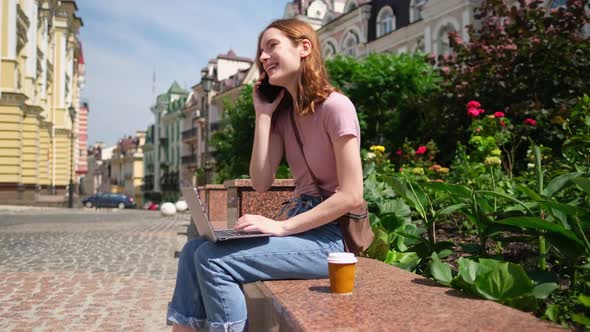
(86, 270)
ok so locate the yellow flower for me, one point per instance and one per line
(418, 171)
(492, 161)
(443, 170)
(378, 148)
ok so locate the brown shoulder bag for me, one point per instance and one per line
(355, 226)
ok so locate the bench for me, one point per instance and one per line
(385, 298)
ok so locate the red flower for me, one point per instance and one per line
(530, 122)
(473, 112)
(398, 152)
(502, 123)
(473, 104)
(499, 114)
(421, 149)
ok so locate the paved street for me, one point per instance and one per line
(63, 270)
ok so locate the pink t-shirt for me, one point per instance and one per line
(334, 118)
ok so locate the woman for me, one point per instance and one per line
(208, 286)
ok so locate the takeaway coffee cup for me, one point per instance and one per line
(341, 267)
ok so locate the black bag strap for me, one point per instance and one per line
(300, 144)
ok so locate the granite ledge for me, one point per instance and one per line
(248, 183)
(214, 186)
(387, 298)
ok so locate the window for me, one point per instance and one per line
(350, 44)
(329, 50)
(556, 4)
(416, 10)
(444, 46)
(385, 21)
(317, 9)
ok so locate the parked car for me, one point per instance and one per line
(109, 200)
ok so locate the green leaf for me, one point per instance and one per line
(568, 209)
(580, 318)
(524, 303)
(397, 207)
(502, 195)
(583, 182)
(530, 193)
(505, 281)
(397, 185)
(541, 291)
(380, 246)
(456, 189)
(391, 222)
(559, 183)
(552, 312)
(405, 260)
(468, 270)
(540, 224)
(417, 196)
(445, 253)
(585, 299)
(538, 170)
(451, 209)
(440, 271)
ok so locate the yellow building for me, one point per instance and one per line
(40, 80)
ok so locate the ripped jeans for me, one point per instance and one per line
(208, 283)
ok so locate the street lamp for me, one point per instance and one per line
(72, 112)
(207, 82)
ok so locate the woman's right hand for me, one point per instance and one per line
(261, 106)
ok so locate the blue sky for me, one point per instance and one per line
(126, 41)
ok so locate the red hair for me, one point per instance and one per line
(313, 86)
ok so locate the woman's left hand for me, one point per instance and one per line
(257, 223)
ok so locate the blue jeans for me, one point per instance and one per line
(208, 283)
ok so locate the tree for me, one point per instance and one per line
(233, 142)
(520, 60)
(391, 94)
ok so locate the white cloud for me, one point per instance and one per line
(124, 41)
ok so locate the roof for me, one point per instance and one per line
(231, 55)
(162, 98)
(175, 88)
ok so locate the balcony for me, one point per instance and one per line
(190, 135)
(189, 159)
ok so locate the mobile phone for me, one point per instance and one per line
(268, 91)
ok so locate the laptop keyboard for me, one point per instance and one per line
(232, 232)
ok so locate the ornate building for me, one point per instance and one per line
(360, 27)
(203, 112)
(40, 81)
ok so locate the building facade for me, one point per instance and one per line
(360, 27)
(98, 177)
(127, 167)
(165, 144)
(202, 114)
(40, 80)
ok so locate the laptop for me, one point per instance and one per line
(203, 224)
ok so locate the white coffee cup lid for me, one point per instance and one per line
(341, 258)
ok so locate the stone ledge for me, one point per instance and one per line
(386, 298)
(248, 183)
